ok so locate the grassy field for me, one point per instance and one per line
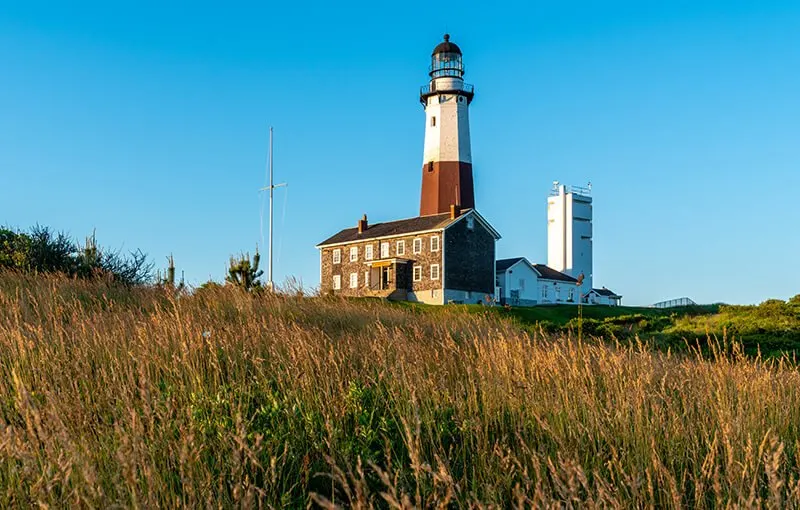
(141, 398)
(771, 328)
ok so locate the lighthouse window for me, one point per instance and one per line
(430, 166)
(433, 121)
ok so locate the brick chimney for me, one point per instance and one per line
(455, 211)
(362, 224)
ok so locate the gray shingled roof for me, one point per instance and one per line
(503, 264)
(391, 228)
(606, 292)
(548, 273)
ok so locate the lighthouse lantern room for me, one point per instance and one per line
(447, 157)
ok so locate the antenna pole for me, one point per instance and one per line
(271, 188)
(271, 191)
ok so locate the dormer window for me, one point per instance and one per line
(470, 223)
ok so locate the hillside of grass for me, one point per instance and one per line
(145, 397)
(770, 328)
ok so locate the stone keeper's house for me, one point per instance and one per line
(435, 259)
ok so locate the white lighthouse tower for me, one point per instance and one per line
(447, 161)
(569, 232)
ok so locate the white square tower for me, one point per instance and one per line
(569, 232)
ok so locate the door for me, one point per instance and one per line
(385, 277)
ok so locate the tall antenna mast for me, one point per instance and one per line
(271, 188)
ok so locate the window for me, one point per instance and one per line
(522, 284)
(430, 166)
(433, 121)
(337, 256)
(401, 248)
(544, 291)
(434, 271)
(353, 280)
(368, 252)
(435, 243)
(366, 278)
(417, 246)
(384, 250)
(417, 273)
(354, 254)
(337, 282)
(571, 295)
(470, 223)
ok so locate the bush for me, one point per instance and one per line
(43, 251)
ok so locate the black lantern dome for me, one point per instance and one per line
(446, 60)
(446, 46)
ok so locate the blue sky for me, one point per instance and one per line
(147, 121)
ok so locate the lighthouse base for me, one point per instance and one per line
(445, 183)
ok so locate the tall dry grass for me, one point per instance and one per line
(140, 398)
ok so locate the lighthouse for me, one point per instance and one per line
(447, 158)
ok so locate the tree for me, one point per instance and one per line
(14, 250)
(244, 273)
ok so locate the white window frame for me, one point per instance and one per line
(353, 280)
(354, 254)
(417, 273)
(571, 294)
(400, 248)
(544, 291)
(435, 269)
(385, 249)
(337, 256)
(522, 284)
(366, 278)
(368, 252)
(438, 243)
(337, 282)
(417, 246)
